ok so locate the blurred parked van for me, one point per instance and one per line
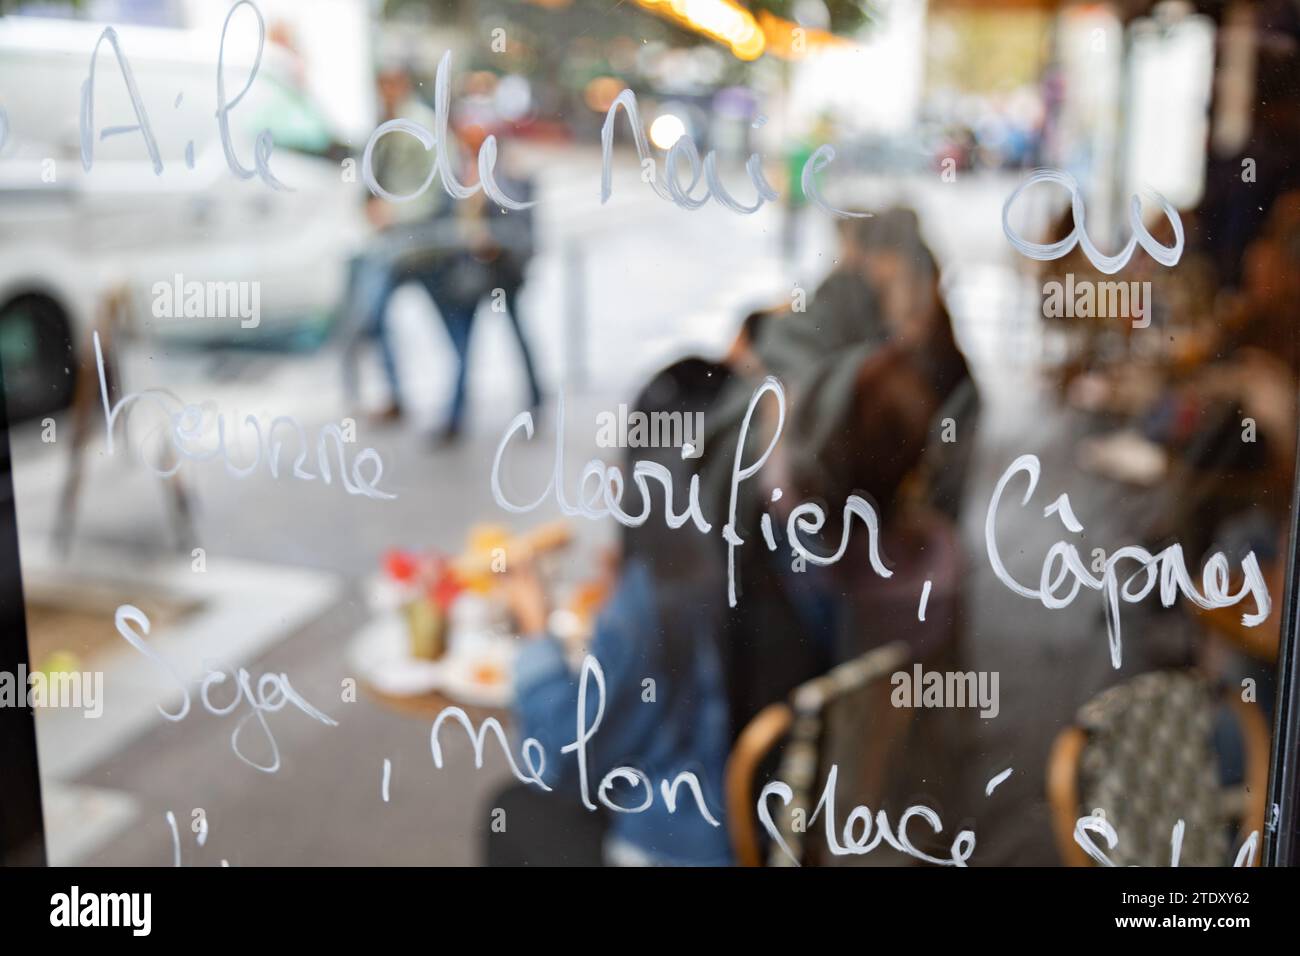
(68, 236)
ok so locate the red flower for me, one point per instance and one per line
(445, 588)
(401, 566)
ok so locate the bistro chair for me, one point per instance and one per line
(843, 717)
(1142, 753)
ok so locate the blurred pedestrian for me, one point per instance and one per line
(501, 244)
(660, 629)
(422, 239)
(399, 164)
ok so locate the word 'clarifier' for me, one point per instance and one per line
(601, 487)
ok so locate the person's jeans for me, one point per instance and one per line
(375, 276)
(508, 277)
(457, 312)
(525, 353)
(371, 282)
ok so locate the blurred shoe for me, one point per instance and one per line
(446, 436)
(387, 415)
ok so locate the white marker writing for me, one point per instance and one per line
(684, 148)
(534, 756)
(191, 424)
(271, 693)
(262, 148)
(1165, 255)
(1063, 568)
(996, 782)
(1096, 823)
(963, 845)
(439, 141)
(601, 488)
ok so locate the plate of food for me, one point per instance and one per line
(381, 656)
(482, 674)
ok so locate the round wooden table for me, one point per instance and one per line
(429, 705)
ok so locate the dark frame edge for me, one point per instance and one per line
(1282, 824)
(22, 824)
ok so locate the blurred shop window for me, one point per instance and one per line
(1235, 80)
(1085, 137)
(1172, 66)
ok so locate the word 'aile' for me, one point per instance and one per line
(262, 148)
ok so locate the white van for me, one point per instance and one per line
(67, 235)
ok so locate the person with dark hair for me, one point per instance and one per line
(665, 709)
(919, 374)
(870, 371)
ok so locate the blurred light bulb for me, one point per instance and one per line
(666, 130)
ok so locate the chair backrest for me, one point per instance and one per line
(826, 721)
(1142, 753)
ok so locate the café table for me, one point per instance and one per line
(409, 686)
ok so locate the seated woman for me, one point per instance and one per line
(892, 420)
(881, 404)
(874, 423)
(665, 708)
